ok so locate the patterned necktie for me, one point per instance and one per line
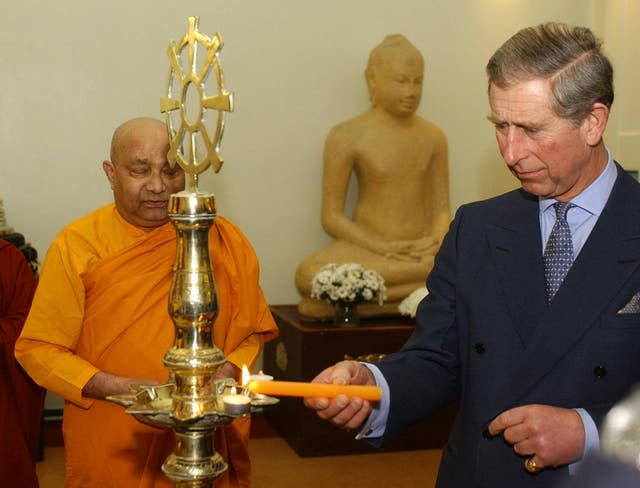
(558, 254)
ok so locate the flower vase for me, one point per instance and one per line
(346, 314)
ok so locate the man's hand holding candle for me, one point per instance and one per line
(345, 412)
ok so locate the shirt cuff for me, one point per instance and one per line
(591, 439)
(376, 424)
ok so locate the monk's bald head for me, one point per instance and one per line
(131, 131)
(140, 175)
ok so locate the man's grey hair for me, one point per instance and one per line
(569, 57)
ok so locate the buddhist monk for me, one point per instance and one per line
(100, 323)
(401, 165)
(21, 400)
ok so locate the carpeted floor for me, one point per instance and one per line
(276, 464)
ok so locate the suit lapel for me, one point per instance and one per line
(608, 258)
(516, 249)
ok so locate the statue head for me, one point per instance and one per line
(394, 76)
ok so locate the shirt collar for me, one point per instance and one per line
(594, 197)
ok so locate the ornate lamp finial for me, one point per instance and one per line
(191, 143)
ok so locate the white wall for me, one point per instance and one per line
(619, 22)
(73, 70)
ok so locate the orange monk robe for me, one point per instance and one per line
(21, 400)
(102, 306)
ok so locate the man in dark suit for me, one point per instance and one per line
(535, 359)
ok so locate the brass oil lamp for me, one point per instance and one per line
(191, 404)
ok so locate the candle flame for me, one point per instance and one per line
(232, 390)
(246, 376)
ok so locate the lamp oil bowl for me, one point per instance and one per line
(260, 399)
(236, 404)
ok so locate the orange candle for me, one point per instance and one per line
(299, 389)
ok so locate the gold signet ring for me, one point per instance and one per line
(531, 466)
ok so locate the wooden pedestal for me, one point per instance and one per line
(305, 348)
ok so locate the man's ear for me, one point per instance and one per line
(595, 123)
(107, 167)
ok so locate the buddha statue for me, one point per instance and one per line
(400, 162)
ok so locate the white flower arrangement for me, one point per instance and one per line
(348, 282)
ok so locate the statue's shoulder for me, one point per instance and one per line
(349, 130)
(429, 126)
(431, 130)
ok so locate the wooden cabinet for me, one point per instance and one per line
(305, 348)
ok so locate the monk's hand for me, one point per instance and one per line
(345, 412)
(227, 370)
(102, 385)
(550, 436)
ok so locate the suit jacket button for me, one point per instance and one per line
(479, 347)
(599, 371)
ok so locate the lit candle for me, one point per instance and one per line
(235, 404)
(260, 376)
(246, 376)
(299, 389)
